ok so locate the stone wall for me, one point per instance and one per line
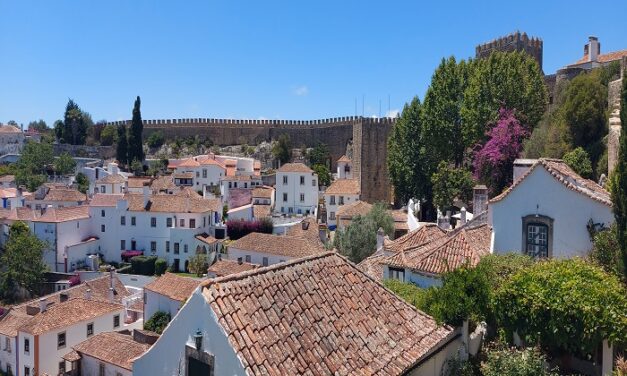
(100, 152)
(513, 42)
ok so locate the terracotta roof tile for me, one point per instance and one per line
(112, 179)
(344, 159)
(603, 58)
(565, 175)
(7, 178)
(12, 193)
(354, 209)
(261, 211)
(282, 245)
(57, 215)
(181, 202)
(173, 286)
(206, 238)
(373, 266)
(227, 267)
(343, 187)
(263, 192)
(320, 315)
(163, 183)
(106, 200)
(294, 167)
(189, 162)
(427, 233)
(62, 194)
(138, 182)
(183, 175)
(307, 229)
(113, 348)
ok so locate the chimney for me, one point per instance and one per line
(380, 237)
(113, 168)
(63, 297)
(88, 294)
(111, 280)
(146, 192)
(462, 216)
(43, 305)
(594, 48)
(479, 199)
(304, 225)
(111, 294)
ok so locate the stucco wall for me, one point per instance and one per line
(91, 366)
(156, 302)
(255, 257)
(293, 189)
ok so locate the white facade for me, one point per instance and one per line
(296, 192)
(421, 280)
(154, 302)
(258, 258)
(64, 240)
(167, 355)
(333, 203)
(8, 353)
(540, 197)
(11, 139)
(91, 366)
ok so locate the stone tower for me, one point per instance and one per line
(613, 141)
(513, 42)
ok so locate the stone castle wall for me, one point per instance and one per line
(513, 42)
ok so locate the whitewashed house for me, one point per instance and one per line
(548, 211)
(211, 335)
(113, 183)
(296, 189)
(13, 197)
(54, 195)
(11, 139)
(344, 168)
(340, 192)
(268, 249)
(167, 294)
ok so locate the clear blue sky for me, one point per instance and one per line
(262, 59)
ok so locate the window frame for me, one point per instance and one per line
(26, 345)
(153, 222)
(90, 329)
(397, 274)
(540, 221)
(59, 344)
(122, 220)
(116, 320)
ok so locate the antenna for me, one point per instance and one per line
(355, 106)
(363, 99)
(389, 109)
(379, 107)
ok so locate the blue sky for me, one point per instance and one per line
(262, 59)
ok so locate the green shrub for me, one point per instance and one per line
(155, 140)
(409, 292)
(513, 362)
(126, 269)
(161, 265)
(144, 265)
(157, 322)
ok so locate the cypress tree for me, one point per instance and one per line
(135, 147)
(619, 178)
(122, 147)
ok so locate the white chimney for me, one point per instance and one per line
(113, 168)
(111, 284)
(479, 199)
(88, 294)
(146, 192)
(462, 216)
(594, 48)
(43, 305)
(380, 238)
(111, 294)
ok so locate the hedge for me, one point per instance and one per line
(144, 265)
(161, 265)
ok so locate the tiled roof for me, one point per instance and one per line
(603, 58)
(181, 202)
(236, 178)
(6, 128)
(227, 267)
(138, 182)
(7, 178)
(307, 229)
(189, 162)
(173, 286)
(206, 238)
(57, 215)
(565, 175)
(112, 179)
(12, 193)
(281, 245)
(62, 194)
(106, 200)
(113, 348)
(320, 315)
(295, 167)
(211, 161)
(354, 209)
(446, 253)
(343, 187)
(344, 159)
(261, 211)
(427, 233)
(70, 312)
(372, 266)
(263, 192)
(183, 175)
(163, 183)
(23, 214)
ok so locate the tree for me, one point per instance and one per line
(73, 129)
(494, 162)
(504, 361)
(324, 175)
(320, 155)
(451, 183)
(13, 123)
(155, 140)
(198, 264)
(618, 187)
(157, 322)
(579, 161)
(504, 80)
(282, 149)
(137, 167)
(607, 254)
(32, 165)
(566, 306)
(38, 125)
(122, 146)
(109, 135)
(441, 109)
(64, 164)
(135, 144)
(161, 265)
(359, 239)
(22, 261)
(82, 182)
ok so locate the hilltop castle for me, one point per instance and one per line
(513, 42)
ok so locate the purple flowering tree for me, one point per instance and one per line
(494, 160)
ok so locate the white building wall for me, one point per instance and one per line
(332, 208)
(434, 364)
(293, 189)
(255, 257)
(168, 353)
(541, 193)
(8, 355)
(91, 366)
(154, 302)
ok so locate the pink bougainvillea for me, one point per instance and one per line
(494, 160)
(75, 280)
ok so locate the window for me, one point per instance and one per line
(26, 346)
(265, 261)
(302, 197)
(102, 213)
(123, 244)
(116, 321)
(61, 340)
(133, 221)
(192, 223)
(182, 222)
(204, 221)
(7, 345)
(103, 189)
(302, 180)
(248, 258)
(332, 200)
(341, 200)
(123, 220)
(153, 222)
(62, 367)
(204, 173)
(102, 228)
(332, 216)
(185, 248)
(313, 182)
(239, 260)
(101, 370)
(176, 248)
(153, 246)
(395, 273)
(90, 329)
(537, 234)
(168, 222)
(167, 246)
(284, 197)
(26, 371)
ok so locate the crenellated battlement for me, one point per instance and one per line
(516, 41)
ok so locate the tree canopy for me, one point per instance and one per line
(32, 165)
(579, 161)
(618, 186)
(122, 145)
(450, 183)
(73, 128)
(64, 164)
(282, 149)
(135, 149)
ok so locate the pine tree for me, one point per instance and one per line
(619, 178)
(122, 147)
(135, 146)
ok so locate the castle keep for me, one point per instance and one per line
(510, 43)
(368, 136)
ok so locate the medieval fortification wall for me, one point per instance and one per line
(368, 135)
